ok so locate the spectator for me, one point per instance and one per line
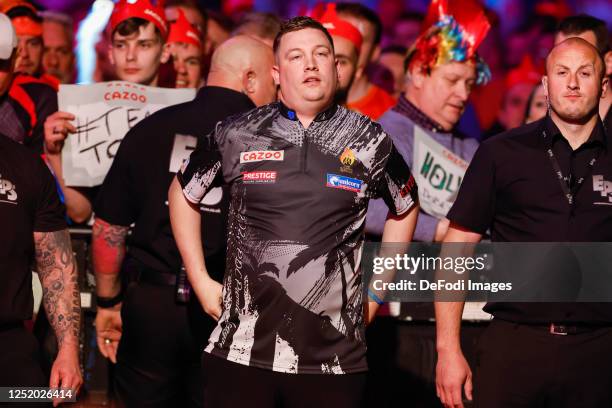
(537, 104)
(58, 54)
(185, 42)
(393, 58)
(347, 42)
(365, 97)
(261, 26)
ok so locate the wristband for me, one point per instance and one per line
(108, 302)
(375, 298)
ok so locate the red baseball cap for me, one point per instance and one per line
(140, 9)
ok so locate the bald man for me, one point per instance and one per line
(542, 182)
(156, 333)
(594, 31)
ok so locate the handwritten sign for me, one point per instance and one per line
(105, 112)
(438, 173)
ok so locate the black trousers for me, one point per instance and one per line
(20, 362)
(158, 360)
(522, 366)
(232, 385)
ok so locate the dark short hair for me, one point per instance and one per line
(575, 25)
(360, 11)
(298, 24)
(132, 26)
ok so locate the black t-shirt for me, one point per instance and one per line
(292, 298)
(512, 189)
(136, 187)
(28, 203)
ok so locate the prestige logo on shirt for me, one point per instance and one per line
(7, 191)
(259, 177)
(261, 155)
(343, 182)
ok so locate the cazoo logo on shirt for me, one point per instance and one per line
(7, 191)
(261, 155)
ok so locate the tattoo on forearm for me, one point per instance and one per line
(58, 274)
(108, 244)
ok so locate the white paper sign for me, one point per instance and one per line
(105, 112)
(438, 173)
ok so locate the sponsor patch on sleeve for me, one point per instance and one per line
(343, 182)
(262, 155)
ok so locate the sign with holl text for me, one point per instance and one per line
(438, 173)
(105, 112)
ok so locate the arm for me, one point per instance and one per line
(58, 275)
(108, 252)
(452, 369)
(57, 127)
(186, 227)
(398, 229)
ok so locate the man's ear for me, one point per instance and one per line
(249, 81)
(276, 75)
(545, 85)
(605, 87)
(165, 54)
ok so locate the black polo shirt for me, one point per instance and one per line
(28, 203)
(512, 189)
(136, 188)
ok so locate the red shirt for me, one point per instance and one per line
(373, 104)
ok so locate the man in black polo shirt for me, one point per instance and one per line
(538, 355)
(159, 349)
(290, 329)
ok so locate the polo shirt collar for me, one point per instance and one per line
(598, 134)
(322, 116)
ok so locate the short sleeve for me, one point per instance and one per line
(199, 172)
(115, 202)
(50, 212)
(397, 186)
(475, 203)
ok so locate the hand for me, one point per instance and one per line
(108, 331)
(212, 298)
(441, 229)
(66, 372)
(57, 127)
(453, 373)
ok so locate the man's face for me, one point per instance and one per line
(394, 62)
(306, 69)
(368, 32)
(514, 105)
(137, 57)
(573, 82)
(445, 92)
(346, 55)
(187, 61)
(29, 54)
(58, 58)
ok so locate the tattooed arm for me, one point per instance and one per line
(108, 251)
(58, 275)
